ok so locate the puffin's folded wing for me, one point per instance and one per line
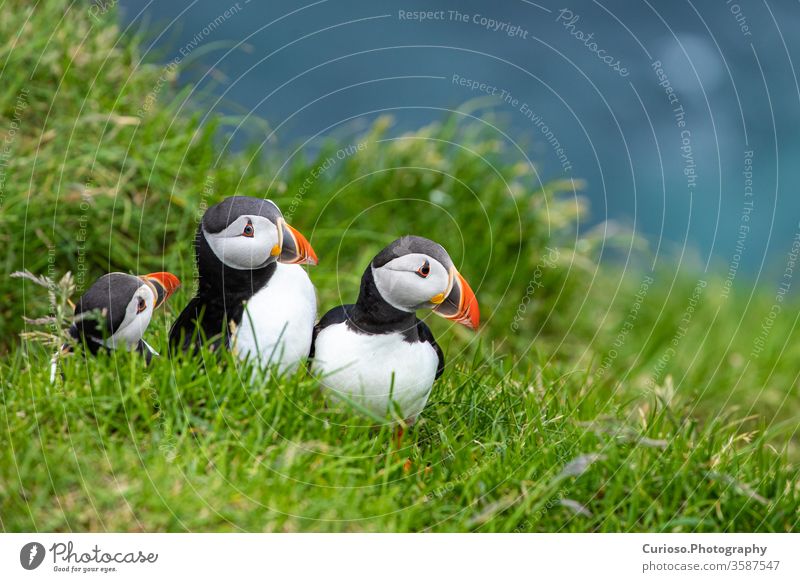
(426, 335)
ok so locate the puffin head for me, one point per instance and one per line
(247, 234)
(122, 305)
(416, 273)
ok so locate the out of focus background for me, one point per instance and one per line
(323, 68)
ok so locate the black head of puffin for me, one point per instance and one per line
(416, 273)
(121, 304)
(249, 234)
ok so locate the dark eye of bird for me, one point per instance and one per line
(424, 270)
(249, 231)
(141, 306)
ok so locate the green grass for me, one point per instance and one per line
(576, 412)
(123, 448)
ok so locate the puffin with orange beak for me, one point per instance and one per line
(116, 310)
(253, 296)
(377, 353)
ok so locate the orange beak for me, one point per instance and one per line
(164, 284)
(294, 249)
(460, 305)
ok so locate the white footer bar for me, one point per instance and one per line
(389, 557)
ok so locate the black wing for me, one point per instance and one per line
(336, 315)
(197, 322)
(77, 334)
(425, 335)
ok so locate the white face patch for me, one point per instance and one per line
(402, 284)
(132, 328)
(246, 244)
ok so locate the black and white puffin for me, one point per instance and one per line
(116, 310)
(376, 352)
(253, 296)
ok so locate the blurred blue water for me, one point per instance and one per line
(309, 68)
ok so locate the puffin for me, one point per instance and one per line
(376, 353)
(253, 295)
(116, 310)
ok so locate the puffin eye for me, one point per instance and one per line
(141, 306)
(424, 270)
(249, 231)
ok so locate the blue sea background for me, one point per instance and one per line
(326, 68)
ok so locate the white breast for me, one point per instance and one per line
(375, 370)
(278, 321)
